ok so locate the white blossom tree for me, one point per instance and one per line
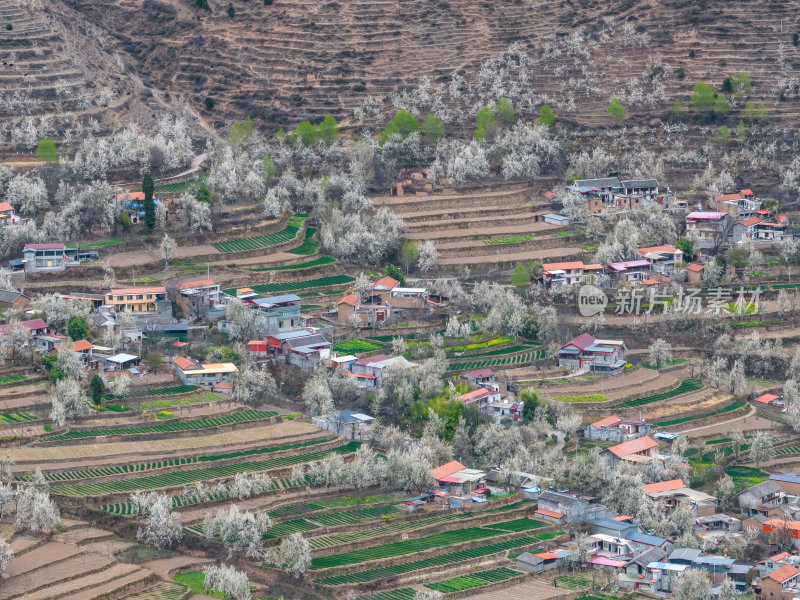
(162, 527)
(67, 402)
(195, 215)
(428, 256)
(167, 248)
(693, 584)
(244, 323)
(399, 346)
(293, 555)
(227, 581)
(246, 485)
(660, 353)
(239, 531)
(736, 379)
(317, 395)
(762, 448)
(252, 383)
(35, 511)
(5, 555)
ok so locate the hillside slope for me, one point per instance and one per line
(298, 59)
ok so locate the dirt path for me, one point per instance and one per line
(532, 254)
(748, 422)
(485, 232)
(165, 567)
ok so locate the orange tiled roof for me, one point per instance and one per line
(386, 283)
(750, 221)
(183, 363)
(447, 469)
(766, 398)
(194, 284)
(663, 486)
(350, 299)
(563, 266)
(4, 206)
(632, 447)
(141, 290)
(648, 250)
(784, 573)
(607, 422)
(549, 513)
(780, 556)
(695, 267)
(81, 345)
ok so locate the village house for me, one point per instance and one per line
(603, 188)
(347, 423)
(634, 574)
(204, 293)
(709, 229)
(8, 216)
(207, 375)
(35, 327)
(565, 508)
(13, 300)
(694, 273)
(120, 362)
(789, 482)
(282, 313)
(570, 273)
(662, 259)
(638, 451)
(368, 371)
(479, 377)
(761, 228)
(615, 429)
(770, 400)
(137, 300)
(764, 498)
(674, 491)
(543, 561)
(781, 584)
(370, 313)
(740, 205)
(629, 272)
(587, 353)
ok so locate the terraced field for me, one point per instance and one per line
(309, 245)
(317, 262)
(398, 594)
(446, 558)
(292, 286)
(686, 386)
(194, 475)
(198, 424)
(264, 241)
(473, 580)
(437, 540)
(17, 418)
(507, 362)
(162, 464)
(165, 391)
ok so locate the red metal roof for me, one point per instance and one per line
(607, 422)
(194, 284)
(53, 246)
(583, 341)
(32, 325)
(385, 283)
(766, 398)
(141, 290)
(563, 266)
(649, 249)
(4, 206)
(632, 447)
(549, 513)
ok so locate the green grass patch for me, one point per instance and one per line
(572, 582)
(99, 244)
(687, 385)
(309, 245)
(291, 286)
(355, 346)
(674, 361)
(322, 260)
(263, 241)
(194, 581)
(583, 398)
(508, 240)
(747, 475)
(720, 411)
(473, 580)
(13, 378)
(160, 404)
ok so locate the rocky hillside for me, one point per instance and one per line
(286, 60)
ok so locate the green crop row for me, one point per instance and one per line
(397, 594)
(518, 360)
(572, 582)
(720, 411)
(17, 418)
(194, 475)
(437, 540)
(291, 286)
(508, 240)
(355, 346)
(263, 241)
(473, 580)
(239, 417)
(317, 262)
(167, 391)
(309, 245)
(13, 378)
(687, 385)
(390, 569)
(162, 464)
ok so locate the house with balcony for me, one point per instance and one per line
(566, 508)
(205, 375)
(646, 189)
(282, 313)
(137, 300)
(368, 371)
(781, 584)
(603, 188)
(709, 229)
(615, 429)
(669, 494)
(765, 498)
(761, 228)
(8, 216)
(630, 272)
(638, 451)
(371, 312)
(204, 293)
(570, 273)
(740, 205)
(662, 259)
(587, 353)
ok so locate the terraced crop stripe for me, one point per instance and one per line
(263, 241)
(172, 462)
(510, 361)
(434, 561)
(167, 391)
(239, 417)
(194, 475)
(437, 540)
(473, 580)
(291, 286)
(687, 385)
(17, 418)
(309, 245)
(317, 262)
(398, 594)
